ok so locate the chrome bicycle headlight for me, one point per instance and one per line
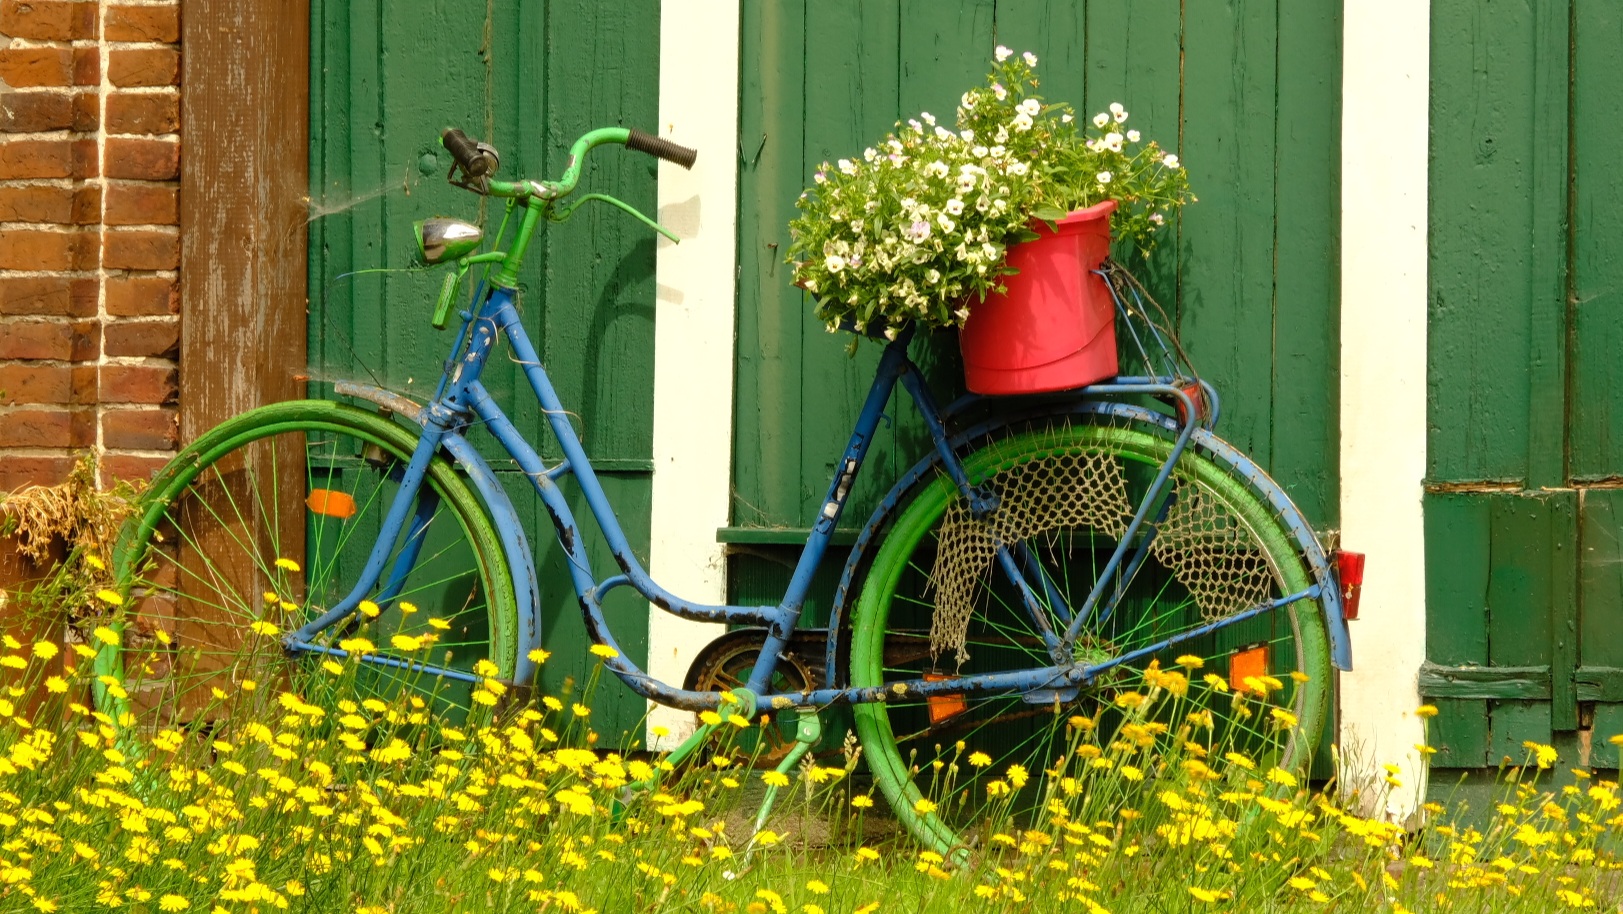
(439, 239)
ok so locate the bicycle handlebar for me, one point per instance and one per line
(479, 161)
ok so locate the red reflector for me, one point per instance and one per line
(1249, 663)
(331, 503)
(1197, 396)
(1350, 571)
(944, 707)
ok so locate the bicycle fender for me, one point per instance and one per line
(520, 560)
(1203, 439)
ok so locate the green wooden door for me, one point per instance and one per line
(1247, 93)
(529, 77)
(1523, 508)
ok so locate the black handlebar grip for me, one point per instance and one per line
(475, 162)
(663, 149)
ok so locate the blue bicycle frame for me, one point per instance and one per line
(462, 401)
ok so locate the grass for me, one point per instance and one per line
(378, 806)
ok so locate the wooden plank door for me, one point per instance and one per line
(1524, 568)
(529, 77)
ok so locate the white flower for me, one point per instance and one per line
(917, 127)
(996, 152)
(1002, 137)
(1003, 53)
(834, 263)
(1031, 107)
(1104, 177)
(1117, 109)
(1000, 92)
(967, 100)
(1101, 119)
(1022, 122)
(937, 169)
(1016, 168)
(946, 224)
(1132, 136)
(819, 177)
(1065, 119)
(967, 136)
(962, 314)
(1029, 58)
(1157, 218)
(954, 206)
(810, 284)
(1171, 161)
(942, 133)
(918, 231)
(848, 167)
(869, 154)
(1113, 142)
(927, 117)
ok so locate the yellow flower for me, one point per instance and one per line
(775, 779)
(287, 565)
(1190, 662)
(1426, 711)
(406, 642)
(261, 627)
(56, 685)
(862, 801)
(924, 806)
(369, 609)
(485, 698)
(1017, 776)
(45, 904)
(979, 759)
(539, 656)
(110, 597)
(105, 635)
(440, 624)
(817, 887)
(1204, 895)
(604, 651)
(45, 650)
(173, 903)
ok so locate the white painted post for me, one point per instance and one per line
(1385, 127)
(693, 334)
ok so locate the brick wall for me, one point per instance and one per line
(89, 238)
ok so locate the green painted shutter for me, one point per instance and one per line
(1524, 582)
(528, 77)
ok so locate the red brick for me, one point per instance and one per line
(36, 203)
(48, 20)
(24, 68)
(142, 204)
(140, 429)
(16, 472)
(141, 250)
(87, 66)
(127, 466)
(144, 67)
(79, 341)
(52, 295)
(142, 296)
(160, 339)
(49, 384)
(47, 159)
(150, 384)
(143, 159)
(86, 112)
(36, 112)
(143, 23)
(25, 249)
(143, 112)
(47, 428)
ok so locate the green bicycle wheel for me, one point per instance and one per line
(265, 523)
(937, 604)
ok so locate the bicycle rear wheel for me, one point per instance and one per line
(264, 524)
(1064, 494)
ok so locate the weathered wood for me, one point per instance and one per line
(1459, 733)
(1457, 549)
(1521, 682)
(1514, 723)
(245, 119)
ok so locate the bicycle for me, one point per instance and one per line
(1042, 549)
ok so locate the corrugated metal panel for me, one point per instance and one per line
(529, 77)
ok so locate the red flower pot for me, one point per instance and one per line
(1055, 327)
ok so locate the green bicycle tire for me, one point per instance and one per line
(898, 736)
(217, 536)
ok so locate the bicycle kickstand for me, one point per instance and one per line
(808, 733)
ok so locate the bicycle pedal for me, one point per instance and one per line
(1050, 696)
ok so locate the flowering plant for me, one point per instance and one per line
(916, 228)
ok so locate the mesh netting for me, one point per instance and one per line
(1063, 499)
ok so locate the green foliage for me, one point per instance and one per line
(916, 227)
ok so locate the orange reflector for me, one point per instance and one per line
(1251, 662)
(333, 504)
(944, 707)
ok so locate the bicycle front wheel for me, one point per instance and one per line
(264, 524)
(1207, 590)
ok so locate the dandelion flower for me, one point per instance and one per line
(106, 635)
(604, 651)
(979, 759)
(173, 903)
(287, 565)
(862, 801)
(110, 597)
(924, 806)
(1426, 711)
